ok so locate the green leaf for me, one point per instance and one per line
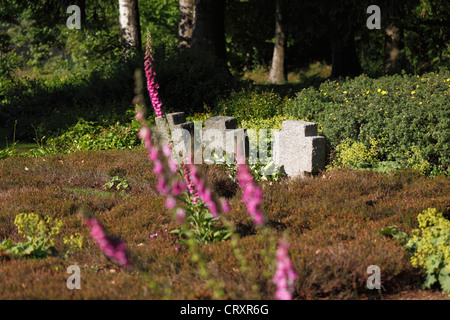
(429, 281)
(389, 231)
(444, 279)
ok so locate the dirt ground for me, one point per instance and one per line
(418, 295)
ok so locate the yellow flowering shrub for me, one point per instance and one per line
(355, 154)
(40, 234)
(431, 244)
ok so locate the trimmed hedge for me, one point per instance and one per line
(401, 111)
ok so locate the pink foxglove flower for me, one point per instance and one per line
(252, 193)
(204, 193)
(181, 215)
(285, 275)
(171, 203)
(113, 248)
(152, 86)
(190, 184)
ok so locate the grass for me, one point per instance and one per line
(314, 70)
(332, 220)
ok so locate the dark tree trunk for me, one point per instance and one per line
(209, 27)
(343, 55)
(277, 71)
(392, 48)
(186, 23)
(393, 30)
(130, 29)
(82, 5)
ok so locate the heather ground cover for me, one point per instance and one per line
(333, 221)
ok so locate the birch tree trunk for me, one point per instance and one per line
(130, 30)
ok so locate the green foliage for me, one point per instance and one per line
(426, 41)
(392, 231)
(161, 19)
(200, 225)
(86, 135)
(399, 111)
(274, 122)
(47, 107)
(431, 246)
(199, 117)
(355, 154)
(260, 171)
(416, 161)
(40, 234)
(93, 50)
(251, 105)
(117, 183)
(7, 152)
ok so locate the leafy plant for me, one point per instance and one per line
(117, 183)
(392, 231)
(40, 234)
(355, 154)
(431, 246)
(251, 105)
(87, 135)
(201, 226)
(261, 171)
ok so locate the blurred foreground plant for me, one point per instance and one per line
(40, 234)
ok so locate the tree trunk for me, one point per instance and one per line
(392, 48)
(130, 30)
(209, 27)
(343, 55)
(82, 5)
(277, 71)
(394, 12)
(186, 23)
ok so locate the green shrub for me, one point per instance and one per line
(40, 234)
(248, 105)
(431, 246)
(355, 154)
(86, 135)
(48, 107)
(400, 111)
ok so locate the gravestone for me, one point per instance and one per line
(222, 135)
(298, 150)
(182, 134)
